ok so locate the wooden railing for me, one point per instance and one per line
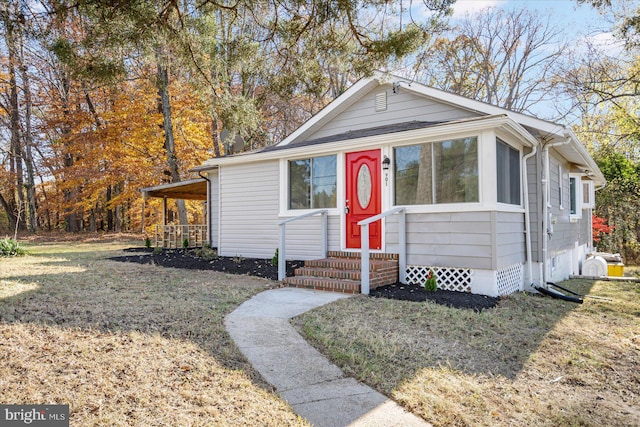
(364, 242)
(181, 236)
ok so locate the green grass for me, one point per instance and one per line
(127, 344)
(533, 360)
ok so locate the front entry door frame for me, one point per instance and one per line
(363, 196)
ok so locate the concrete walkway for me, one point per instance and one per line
(315, 389)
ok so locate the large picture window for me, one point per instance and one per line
(437, 172)
(508, 173)
(312, 183)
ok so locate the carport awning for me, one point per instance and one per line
(194, 189)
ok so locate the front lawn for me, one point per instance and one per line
(127, 344)
(532, 360)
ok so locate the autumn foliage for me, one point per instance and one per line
(600, 227)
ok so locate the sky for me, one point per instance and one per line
(579, 20)
(581, 25)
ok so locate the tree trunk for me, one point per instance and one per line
(109, 210)
(15, 151)
(169, 142)
(28, 143)
(11, 216)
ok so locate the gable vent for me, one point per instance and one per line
(381, 101)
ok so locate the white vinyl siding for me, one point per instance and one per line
(249, 204)
(535, 193)
(452, 239)
(401, 107)
(214, 207)
(510, 244)
(568, 229)
(249, 218)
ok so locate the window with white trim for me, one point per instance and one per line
(508, 173)
(588, 195)
(312, 183)
(575, 196)
(437, 172)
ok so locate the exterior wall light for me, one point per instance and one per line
(386, 162)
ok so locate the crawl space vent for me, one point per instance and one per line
(381, 101)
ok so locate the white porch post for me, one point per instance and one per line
(364, 260)
(324, 234)
(282, 262)
(402, 241)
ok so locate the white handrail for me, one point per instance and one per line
(282, 250)
(364, 245)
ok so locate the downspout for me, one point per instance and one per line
(209, 231)
(527, 224)
(545, 206)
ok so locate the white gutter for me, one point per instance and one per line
(527, 224)
(545, 206)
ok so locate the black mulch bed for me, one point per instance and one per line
(449, 298)
(187, 259)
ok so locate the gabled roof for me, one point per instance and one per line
(535, 131)
(545, 130)
(355, 134)
(363, 86)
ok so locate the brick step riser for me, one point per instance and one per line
(321, 284)
(341, 272)
(343, 264)
(328, 273)
(344, 274)
(357, 255)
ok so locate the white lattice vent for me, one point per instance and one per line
(509, 279)
(449, 278)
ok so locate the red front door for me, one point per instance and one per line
(363, 196)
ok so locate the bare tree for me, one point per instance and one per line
(505, 58)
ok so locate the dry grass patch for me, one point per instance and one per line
(127, 344)
(530, 361)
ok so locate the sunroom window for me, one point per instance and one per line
(312, 183)
(437, 172)
(508, 173)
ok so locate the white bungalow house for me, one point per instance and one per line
(490, 200)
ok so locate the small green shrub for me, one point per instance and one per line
(10, 247)
(185, 243)
(431, 284)
(147, 242)
(274, 260)
(207, 253)
(157, 251)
